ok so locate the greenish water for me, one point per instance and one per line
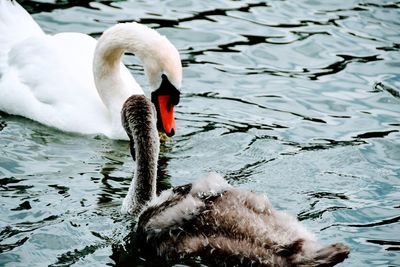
(295, 99)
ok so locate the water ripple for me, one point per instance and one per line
(296, 99)
(382, 222)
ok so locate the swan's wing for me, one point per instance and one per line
(15, 25)
(49, 79)
(55, 69)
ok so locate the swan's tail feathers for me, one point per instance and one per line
(15, 26)
(16, 23)
(327, 256)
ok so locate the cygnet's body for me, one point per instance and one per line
(210, 219)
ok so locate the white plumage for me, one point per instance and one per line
(52, 79)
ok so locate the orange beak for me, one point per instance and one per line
(164, 99)
(166, 109)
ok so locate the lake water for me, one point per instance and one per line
(299, 100)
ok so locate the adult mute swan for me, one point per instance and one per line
(209, 218)
(68, 82)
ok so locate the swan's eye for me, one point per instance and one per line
(167, 88)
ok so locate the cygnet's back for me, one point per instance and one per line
(228, 227)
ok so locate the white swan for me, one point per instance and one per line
(210, 219)
(53, 79)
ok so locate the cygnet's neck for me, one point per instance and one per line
(139, 119)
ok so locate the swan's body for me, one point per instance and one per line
(209, 218)
(53, 79)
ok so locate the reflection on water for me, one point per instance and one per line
(296, 99)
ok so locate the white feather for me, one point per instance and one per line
(184, 210)
(50, 79)
(211, 184)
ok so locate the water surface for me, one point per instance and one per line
(299, 100)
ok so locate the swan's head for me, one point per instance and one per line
(161, 64)
(165, 98)
(165, 80)
(163, 68)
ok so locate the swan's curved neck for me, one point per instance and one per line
(143, 133)
(112, 80)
